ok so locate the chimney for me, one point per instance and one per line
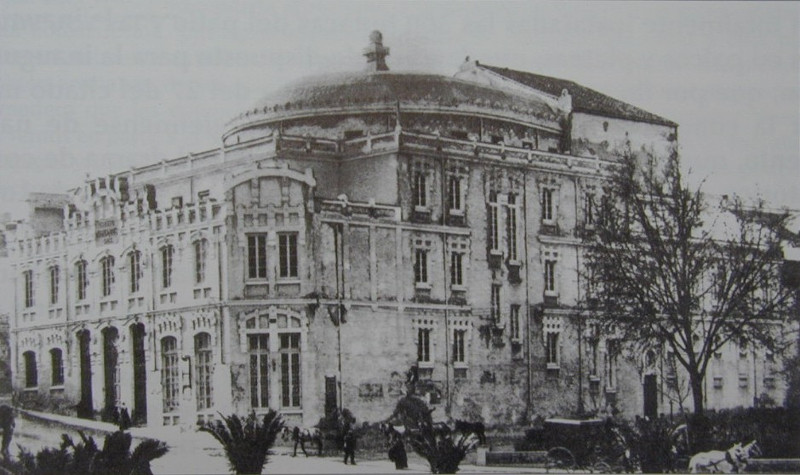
(376, 53)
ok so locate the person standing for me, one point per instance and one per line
(349, 445)
(7, 425)
(397, 452)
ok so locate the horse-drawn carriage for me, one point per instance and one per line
(589, 444)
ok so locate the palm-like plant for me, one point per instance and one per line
(85, 457)
(246, 440)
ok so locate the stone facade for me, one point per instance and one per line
(352, 232)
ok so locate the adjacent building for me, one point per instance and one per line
(353, 235)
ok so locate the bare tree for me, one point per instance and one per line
(672, 272)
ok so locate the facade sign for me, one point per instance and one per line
(105, 231)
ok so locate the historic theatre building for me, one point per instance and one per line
(351, 231)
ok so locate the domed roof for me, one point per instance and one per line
(384, 90)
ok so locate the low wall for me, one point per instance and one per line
(773, 466)
(536, 457)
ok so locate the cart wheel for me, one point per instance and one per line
(601, 467)
(560, 458)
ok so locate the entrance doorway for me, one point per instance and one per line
(85, 406)
(139, 415)
(650, 396)
(330, 395)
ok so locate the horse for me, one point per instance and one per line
(301, 435)
(7, 425)
(476, 428)
(718, 461)
(748, 451)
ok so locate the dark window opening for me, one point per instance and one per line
(353, 134)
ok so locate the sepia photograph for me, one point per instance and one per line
(399, 237)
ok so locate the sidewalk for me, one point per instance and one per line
(193, 452)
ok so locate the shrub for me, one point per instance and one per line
(246, 440)
(84, 457)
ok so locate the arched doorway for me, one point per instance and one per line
(110, 369)
(85, 406)
(139, 415)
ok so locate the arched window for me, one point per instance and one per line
(82, 279)
(56, 367)
(200, 252)
(205, 370)
(167, 254)
(290, 369)
(259, 369)
(107, 267)
(169, 373)
(135, 265)
(31, 373)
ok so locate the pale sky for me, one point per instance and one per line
(98, 87)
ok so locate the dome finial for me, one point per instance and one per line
(376, 53)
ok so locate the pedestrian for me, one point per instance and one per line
(124, 418)
(397, 452)
(7, 425)
(349, 445)
(298, 439)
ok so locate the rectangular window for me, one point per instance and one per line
(200, 254)
(420, 189)
(56, 367)
(205, 370)
(107, 267)
(135, 262)
(459, 338)
(612, 350)
(495, 303)
(454, 192)
(456, 268)
(287, 244)
(27, 279)
(169, 374)
(550, 276)
(259, 370)
(290, 369)
(424, 345)
(511, 227)
(257, 256)
(54, 278)
(593, 344)
(494, 224)
(551, 348)
(547, 204)
(421, 266)
(167, 254)
(514, 321)
(589, 209)
(82, 278)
